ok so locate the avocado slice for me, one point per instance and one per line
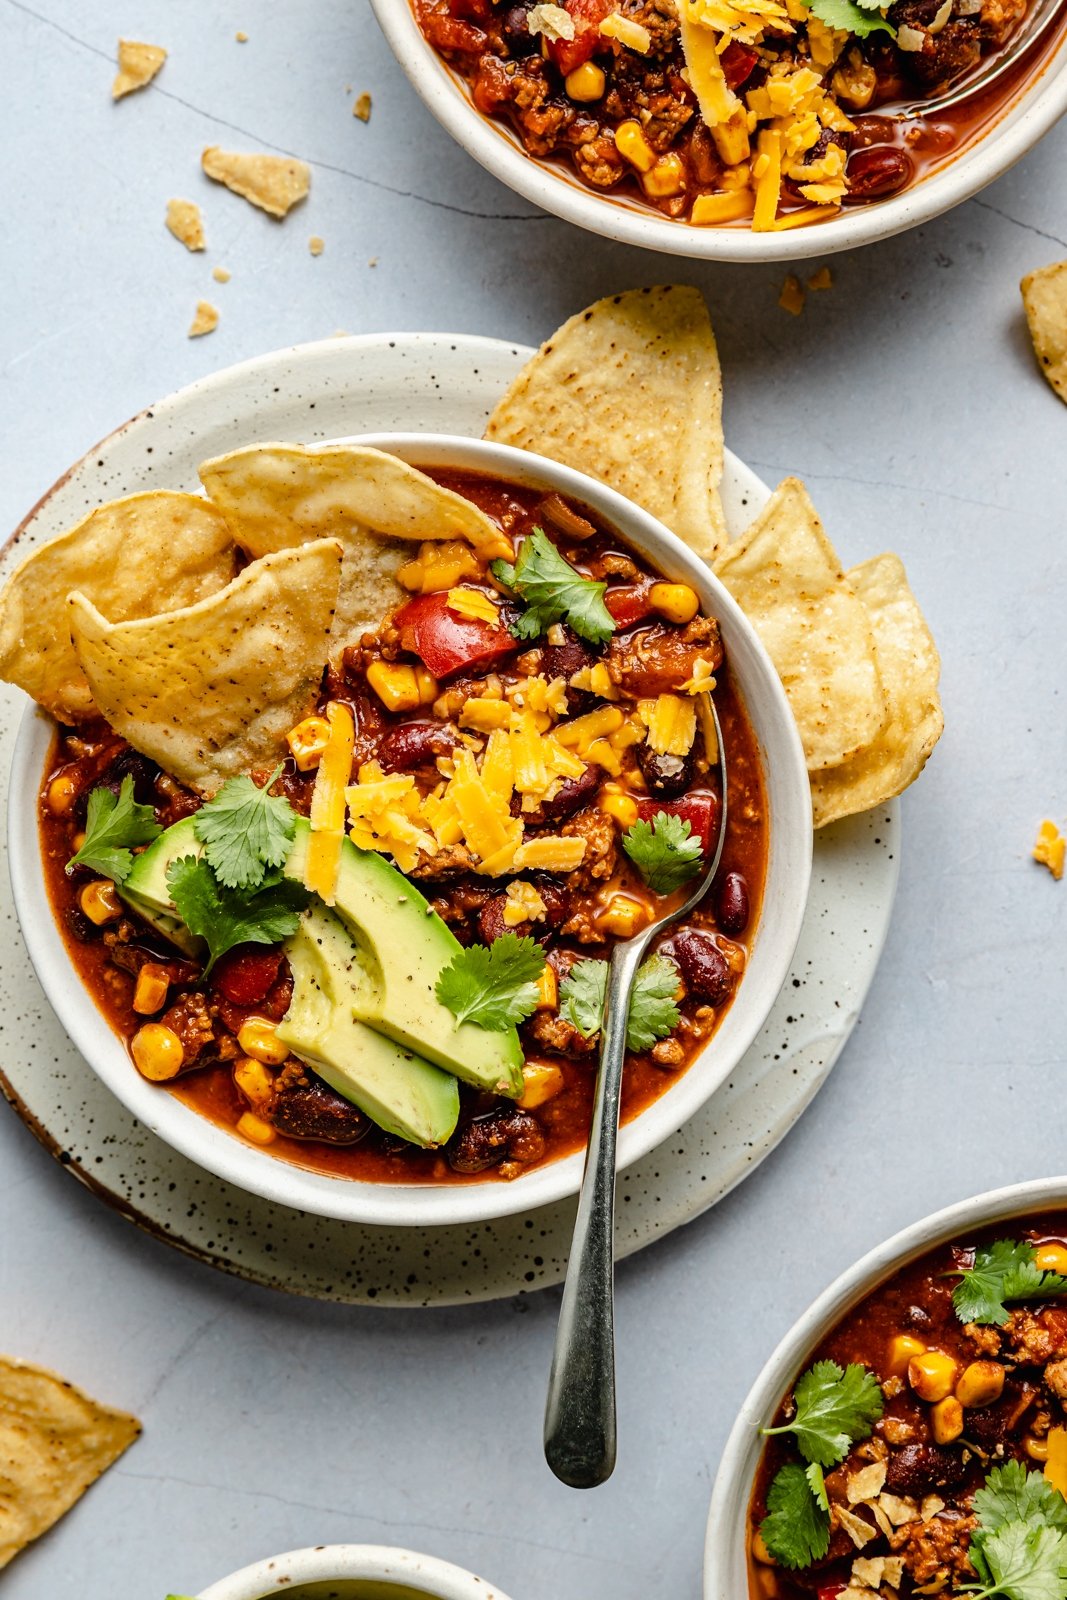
(401, 1093)
(403, 946)
(147, 892)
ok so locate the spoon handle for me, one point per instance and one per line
(580, 1414)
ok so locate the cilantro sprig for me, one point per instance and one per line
(665, 851)
(1019, 1548)
(554, 591)
(653, 1009)
(493, 985)
(1003, 1271)
(245, 831)
(796, 1529)
(224, 917)
(112, 825)
(861, 17)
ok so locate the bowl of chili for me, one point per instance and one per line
(604, 114)
(907, 1435)
(352, 1572)
(332, 1166)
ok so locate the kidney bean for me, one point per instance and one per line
(572, 794)
(705, 969)
(310, 1110)
(732, 905)
(916, 1469)
(877, 171)
(665, 775)
(563, 661)
(514, 25)
(413, 744)
(871, 130)
(485, 1142)
(557, 904)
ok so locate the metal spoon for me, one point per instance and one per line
(1037, 23)
(580, 1413)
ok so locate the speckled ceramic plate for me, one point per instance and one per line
(446, 384)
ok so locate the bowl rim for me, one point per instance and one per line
(725, 1552)
(370, 1562)
(1017, 128)
(281, 1182)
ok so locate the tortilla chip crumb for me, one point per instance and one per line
(241, 36)
(1045, 299)
(373, 262)
(791, 298)
(138, 65)
(362, 107)
(823, 279)
(205, 321)
(1050, 848)
(316, 245)
(274, 183)
(221, 274)
(186, 223)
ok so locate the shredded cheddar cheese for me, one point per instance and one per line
(328, 803)
(1050, 848)
(474, 604)
(386, 816)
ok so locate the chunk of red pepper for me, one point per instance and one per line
(700, 810)
(587, 15)
(447, 642)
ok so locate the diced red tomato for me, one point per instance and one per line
(830, 1591)
(473, 10)
(588, 15)
(630, 604)
(449, 33)
(248, 972)
(447, 642)
(737, 65)
(700, 810)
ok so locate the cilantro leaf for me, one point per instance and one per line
(817, 1484)
(112, 825)
(834, 1410)
(1004, 1270)
(796, 1529)
(1012, 1494)
(1022, 1562)
(223, 917)
(245, 830)
(494, 986)
(665, 851)
(653, 1010)
(554, 591)
(851, 17)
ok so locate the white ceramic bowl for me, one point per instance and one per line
(352, 1572)
(785, 896)
(725, 1560)
(556, 189)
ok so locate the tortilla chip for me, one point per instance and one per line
(630, 392)
(785, 575)
(316, 244)
(910, 667)
(206, 319)
(1045, 299)
(274, 183)
(132, 558)
(138, 65)
(186, 223)
(211, 691)
(276, 495)
(54, 1443)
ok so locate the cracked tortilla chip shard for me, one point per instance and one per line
(274, 183)
(275, 495)
(630, 391)
(206, 319)
(54, 1443)
(210, 691)
(784, 574)
(185, 223)
(132, 558)
(1045, 298)
(910, 668)
(138, 65)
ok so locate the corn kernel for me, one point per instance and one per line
(395, 684)
(307, 741)
(150, 990)
(100, 901)
(1056, 1459)
(932, 1375)
(760, 1552)
(1050, 849)
(61, 794)
(547, 989)
(901, 1350)
(732, 140)
(157, 1052)
(255, 1129)
(77, 841)
(1051, 1258)
(541, 1082)
(667, 177)
(675, 602)
(621, 808)
(1036, 1449)
(253, 1080)
(622, 916)
(709, 209)
(585, 83)
(980, 1384)
(946, 1420)
(427, 686)
(258, 1038)
(632, 145)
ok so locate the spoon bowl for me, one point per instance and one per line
(1038, 22)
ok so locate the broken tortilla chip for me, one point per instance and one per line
(785, 575)
(910, 667)
(274, 183)
(138, 65)
(276, 495)
(186, 223)
(630, 392)
(54, 1442)
(132, 558)
(210, 691)
(206, 319)
(1045, 298)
